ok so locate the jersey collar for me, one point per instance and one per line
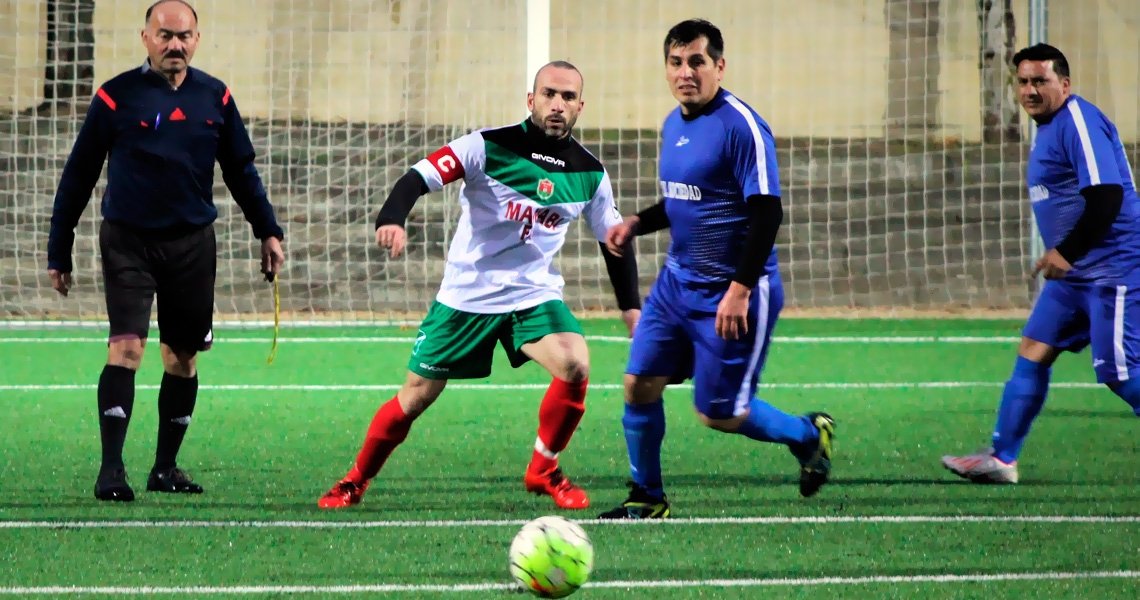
(147, 71)
(1049, 118)
(709, 106)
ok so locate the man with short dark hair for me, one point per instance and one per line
(164, 126)
(712, 309)
(1084, 199)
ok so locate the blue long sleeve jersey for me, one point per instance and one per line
(1075, 148)
(162, 143)
(710, 164)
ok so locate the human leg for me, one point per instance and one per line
(449, 344)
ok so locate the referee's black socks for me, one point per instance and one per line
(116, 400)
(176, 398)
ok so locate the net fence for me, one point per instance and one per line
(900, 143)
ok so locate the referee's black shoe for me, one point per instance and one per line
(112, 486)
(171, 481)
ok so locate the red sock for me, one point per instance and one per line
(389, 427)
(558, 417)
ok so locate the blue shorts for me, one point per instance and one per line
(1070, 316)
(676, 337)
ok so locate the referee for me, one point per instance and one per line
(164, 125)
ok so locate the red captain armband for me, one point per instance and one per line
(448, 165)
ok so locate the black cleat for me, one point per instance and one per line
(171, 481)
(815, 470)
(639, 505)
(111, 485)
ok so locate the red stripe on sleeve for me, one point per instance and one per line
(106, 98)
(226, 97)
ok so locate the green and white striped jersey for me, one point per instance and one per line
(520, 192)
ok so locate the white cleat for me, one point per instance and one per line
(982, 467)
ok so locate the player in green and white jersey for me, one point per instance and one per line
(522, 186)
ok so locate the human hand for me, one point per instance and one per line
(630, 317)
(732, 312)
(1052, 265)
(272, 257)
(392, 237)
(60, 282)
(619, 235)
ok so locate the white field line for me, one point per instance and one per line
(798, 339)
(468, 523)
(660, 583)
(499, 387)
(289, 323)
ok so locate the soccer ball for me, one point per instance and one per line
(551, 557)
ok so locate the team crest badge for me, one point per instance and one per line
(545, 189)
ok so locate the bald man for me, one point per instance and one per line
(524, 184)
(164, 125)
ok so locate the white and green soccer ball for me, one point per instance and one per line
(551, 557)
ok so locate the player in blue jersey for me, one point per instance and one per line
(711, 311)
(1084, 200)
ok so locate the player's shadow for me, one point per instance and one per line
(449, 484)
(55, 503)
(698, 480)
(1061, 413)
(1078, 413)
(872, 505)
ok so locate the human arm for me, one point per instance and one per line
(1091, 143)
(765, 216)
(751, 148)
(236, 155)
(80, 174)
(447, 164)
(603, 216)
(1102, 206)
(649, 220)
(622, 271)
(394, 213)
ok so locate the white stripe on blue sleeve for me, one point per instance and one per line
(761, 155)
(1086, 142)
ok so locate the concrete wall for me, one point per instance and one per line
(811, 67)
(21, 54)
(341, 97)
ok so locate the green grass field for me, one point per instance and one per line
(267, 440)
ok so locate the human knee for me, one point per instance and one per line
(567, 358)
(418, 393)
(641, 390)
(575, 371)
(1038, 352)
(729, 425)
(126, 351)
(181, 363)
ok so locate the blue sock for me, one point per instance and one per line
(644, 426)
(1021, 401)
(1130, 392)
(766, 423)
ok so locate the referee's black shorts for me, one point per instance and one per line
(177, 266)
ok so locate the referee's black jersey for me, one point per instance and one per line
(162, 143)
